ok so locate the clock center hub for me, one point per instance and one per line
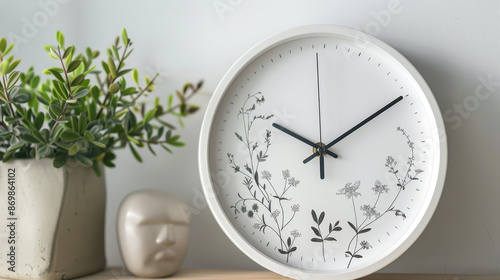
(321, 149)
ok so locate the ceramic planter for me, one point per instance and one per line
(51, 220)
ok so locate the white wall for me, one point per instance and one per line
(454, 44)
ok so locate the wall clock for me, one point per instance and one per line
(322, 153)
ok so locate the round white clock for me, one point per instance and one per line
(323, 153)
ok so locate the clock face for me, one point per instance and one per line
(322, 154)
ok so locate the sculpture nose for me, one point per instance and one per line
(166, 236)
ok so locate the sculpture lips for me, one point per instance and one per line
(165, 255)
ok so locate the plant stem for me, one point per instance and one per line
(7, 96)
(108, 94)
(69, 93)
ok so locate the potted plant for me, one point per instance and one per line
(56, 136)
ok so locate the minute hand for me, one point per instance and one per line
(371, 117)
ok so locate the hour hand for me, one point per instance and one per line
(302, 139)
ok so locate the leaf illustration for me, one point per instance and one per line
(330, 228)
(316, 240)
(282, 252)
(365, 230)
(358, 256)
(321, 217)
(293, 249)
(353, 227)
(337, 223)
(330, 239)
(347, 253)
(256, 176)
(316, 231)
(239, 137)
(315, 218)
(289, 241)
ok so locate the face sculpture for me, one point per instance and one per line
(153, 233)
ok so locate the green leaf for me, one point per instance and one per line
(85, 161)
(112, 67)
(22, 97)
(34, 82)
(4, 67)
(135, 76)
(83, 145)
(9, 119)
(55, 109)
(9, 48)
(97, 168)
(105, 67)
(15, 144)
(166, 148)
(60, 160)
(89, 136)
(82, 93)
(114, 51)
(57, 75)
(14, 64)
(123, 72)
(39, 120)
(82, 122)
(3, 45)
(124, 37)
(59, 90)
(129, 91)
(53, 53)
(73, 65)
(149, 115)
(29, 138)
(170, 101)
(39, 136)
(186, 87)
(73, 149)
(13, 78)
(70, 135)
(133, 140)
(78, 80)
(43, 151)
(98, 144)
(60, 38)
(134, 152)
(89, 70)
(67, 52)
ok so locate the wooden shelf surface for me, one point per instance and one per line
(193, 274)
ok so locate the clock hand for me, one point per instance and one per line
(319, 99)
(371, 117)
(321, 157)
(298, 137)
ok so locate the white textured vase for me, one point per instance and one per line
(58, 220)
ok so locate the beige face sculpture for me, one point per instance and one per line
(153, 233)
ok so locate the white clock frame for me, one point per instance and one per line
(437, 178)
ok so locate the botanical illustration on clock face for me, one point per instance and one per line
(323, 153)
